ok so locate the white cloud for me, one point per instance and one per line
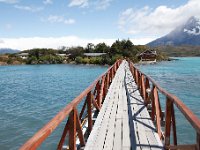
(60, 19)
(55, 42)
(103, 4)
(158, 21)
(69, 21)
(80, 3)
(48, 2)
(29, 8)
(97, 4)
(9, 1)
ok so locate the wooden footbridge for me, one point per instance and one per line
(120, 111)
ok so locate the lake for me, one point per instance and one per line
(31, 95)
(181, 78)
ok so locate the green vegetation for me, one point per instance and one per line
(43, 56)
(10, 59)
(118, 50)
(180, 51)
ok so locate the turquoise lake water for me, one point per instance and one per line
(182, 78)
(31, 95)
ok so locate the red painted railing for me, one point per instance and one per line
(93, 97)
(149, 91)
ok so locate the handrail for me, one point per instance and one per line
(94, 94)
(143, 81)
(93, 97)
(195, 122)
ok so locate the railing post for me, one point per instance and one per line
(168, 121)
(105, 86)
(108, 81)
(114, 68)
(136, 77)
(117, 64)
(98, 94)
(174, 126)
(152, 105)
(143, 88)
(62, 140)
(157, 112)
(83, 109)
(198, 141)
(139, 81)
(79, 129)
(89, 111)
(111, 75)
(134, 73)
(72, 131)
(101, 95)
(147, 86)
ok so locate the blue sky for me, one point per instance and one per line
(49, 23)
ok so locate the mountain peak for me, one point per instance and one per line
(186, 34)
(192, 26)
(192, 20)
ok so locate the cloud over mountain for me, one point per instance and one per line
(186, 34)
(158, 21)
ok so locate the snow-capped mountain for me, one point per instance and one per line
(186, 34)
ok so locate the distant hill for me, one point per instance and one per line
(186, 34)
(8, 51)
(180, 51)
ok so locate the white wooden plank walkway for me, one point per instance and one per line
(123, 122)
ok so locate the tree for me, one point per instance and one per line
(101, 48)
(89, 48)
(116, 47)
(75, 51)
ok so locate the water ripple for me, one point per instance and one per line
(31, 95)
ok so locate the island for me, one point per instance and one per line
(100, 54)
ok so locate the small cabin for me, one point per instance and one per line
(148, 55)
(63, 55)
(23, 55)
(94, 54)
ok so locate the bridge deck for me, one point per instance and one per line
(123, 122)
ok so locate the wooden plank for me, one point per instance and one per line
(96, 128)
(110, 134)
(106, 119)
(96, 139)
(126, 143)
(151, 134)
(105, 124)
(141, 141)
(118, 126)
(134, 131)
(118, 123)
(124, 122)
(143, 120)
